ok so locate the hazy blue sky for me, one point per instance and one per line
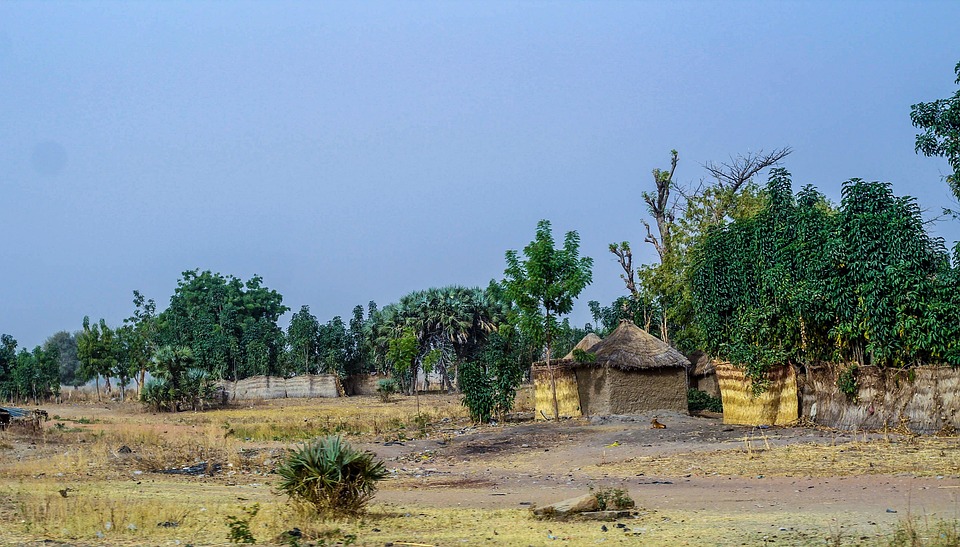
(353, 151)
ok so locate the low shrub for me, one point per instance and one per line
(700, 400)
(386, 388)
(330, 477)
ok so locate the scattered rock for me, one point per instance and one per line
(565, 508)
(124, 450)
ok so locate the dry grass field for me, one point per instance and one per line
(115, 474)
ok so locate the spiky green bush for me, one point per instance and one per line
(331, 477)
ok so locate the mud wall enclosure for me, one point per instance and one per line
(273, 387)
(923, 399)
(606, 390)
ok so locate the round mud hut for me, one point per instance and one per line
(629, 372)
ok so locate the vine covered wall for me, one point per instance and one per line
(804, 282)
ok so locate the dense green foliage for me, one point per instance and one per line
(177, 384)
(330, 477)
(940, 121)
(803, 282)
(230, 325)
(28, 375)
(700, 400)
(543, 286)
(448, 324)
(490, 380)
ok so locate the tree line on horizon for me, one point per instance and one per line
(753, 274)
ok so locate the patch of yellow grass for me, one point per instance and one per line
(923, 457)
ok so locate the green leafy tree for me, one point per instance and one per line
(230, 325)
(489, 381)
(402, 353)
(8, 360)
(35, 375)
(302, 337)
(140, 337)
(544, 285)
(334, 347)
(940, 122)
(803, 282)
(95, 349)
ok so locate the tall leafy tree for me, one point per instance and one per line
(544, 284)
(8, 358)
(302, 339)
(940, 122)
(230, 325)
(140, 337)
(803, 282)
(448, 322)
(36, 375)
(95, 349)
(334, 346)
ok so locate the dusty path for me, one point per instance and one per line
(539, 463)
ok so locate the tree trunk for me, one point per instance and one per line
(99, 399)
(553, 380)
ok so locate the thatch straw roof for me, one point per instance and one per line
(702, 363)
(586, 344)
(631, 348)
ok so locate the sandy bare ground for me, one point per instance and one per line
(540, 463)
(696, 482)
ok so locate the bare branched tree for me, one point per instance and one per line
(664, 210)
(731, 176)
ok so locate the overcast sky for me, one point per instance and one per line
(356, 151)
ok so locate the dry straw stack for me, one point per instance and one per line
(778, 404)
(568, 395)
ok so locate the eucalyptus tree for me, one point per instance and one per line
(139, 338)
(35, 374)
(302, 341)
(95, 349)
(543, 286)
(334, 346)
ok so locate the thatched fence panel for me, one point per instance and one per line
(568, 396)
(777, 405)
(274, 387)
(923, 399)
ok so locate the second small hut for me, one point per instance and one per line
(629, 372)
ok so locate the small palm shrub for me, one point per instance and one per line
(385, 388)
(330, 477)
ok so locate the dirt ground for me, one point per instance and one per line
(695, 482)
(541, 463)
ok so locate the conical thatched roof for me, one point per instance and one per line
(588, 342)
(702, 363)
(632, 348)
